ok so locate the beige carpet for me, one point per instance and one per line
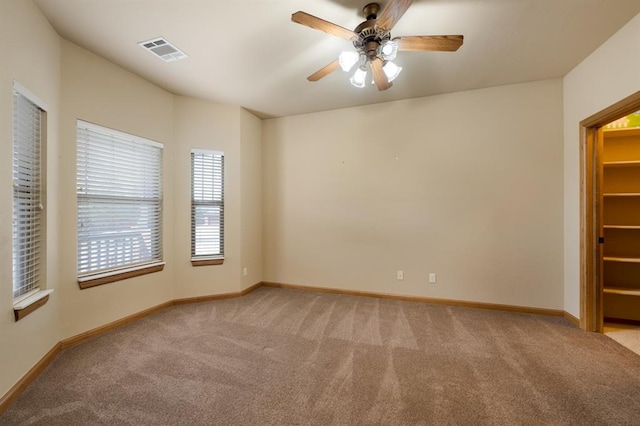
(627, 335)
(285, 357)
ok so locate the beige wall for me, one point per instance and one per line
(100, 92)
(609, 74)
(251, 198)
(31, 56)
(77, 84)
(206, 125)
(466, 185)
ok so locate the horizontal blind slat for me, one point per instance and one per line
(207, 203)
(27, 216)
(119, 191)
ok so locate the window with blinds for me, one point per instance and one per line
(207, 204)
(119, 189)
(27, 194)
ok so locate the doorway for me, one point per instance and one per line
(591, 208)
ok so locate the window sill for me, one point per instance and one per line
(30, 304)
(94, 280)
(195, 261)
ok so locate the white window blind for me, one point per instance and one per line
(119, 188)
(27, 197)
(207, 204)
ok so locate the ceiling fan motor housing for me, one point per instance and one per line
(371, 10)
(373, 43)
(369, 38)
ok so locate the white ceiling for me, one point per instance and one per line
(249, 53)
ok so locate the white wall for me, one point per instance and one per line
(608, 75)
(31, 56)
(466, 185)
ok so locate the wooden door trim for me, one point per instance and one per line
(591, 309)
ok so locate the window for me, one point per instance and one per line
(119, 188)
(207, 207)
(28, 240)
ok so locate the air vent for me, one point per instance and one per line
(163, 49)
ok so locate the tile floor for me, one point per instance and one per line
(626, 335)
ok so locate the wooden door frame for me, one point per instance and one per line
(591, 308)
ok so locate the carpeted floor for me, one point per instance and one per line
(284, 357)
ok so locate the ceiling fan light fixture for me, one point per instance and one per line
(391, 70)
(348, 59)
(374, 45)
(388, 50)
(358, 78)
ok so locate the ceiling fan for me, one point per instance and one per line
(373, 43)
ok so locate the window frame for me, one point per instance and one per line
(208, 258)
(95, 277)
(36, 294)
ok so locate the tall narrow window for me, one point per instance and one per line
(207, 207)
(28, 244)
(119, 189)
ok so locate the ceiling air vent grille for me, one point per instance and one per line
(163, 49)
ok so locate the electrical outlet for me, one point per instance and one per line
(400, 275)
(245, 271)
(432, 278)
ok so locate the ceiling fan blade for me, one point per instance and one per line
(449, 43)
(316, 23)
(324, 71)
(379, 76)
(392, 13)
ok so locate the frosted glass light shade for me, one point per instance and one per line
(388, 50)
(391, 70)
(348, 59)
(359, 77)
